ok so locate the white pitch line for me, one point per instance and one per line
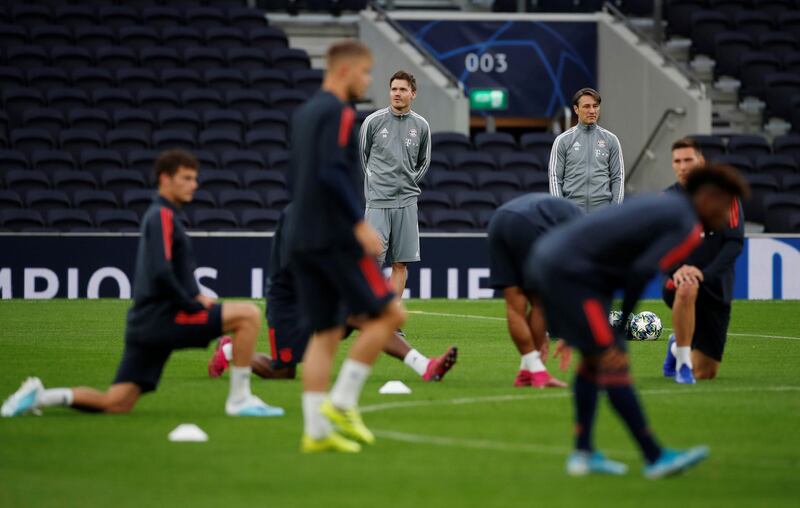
(374, 408)
(493, 318)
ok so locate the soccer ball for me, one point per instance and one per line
(646, 326)
(615, 318)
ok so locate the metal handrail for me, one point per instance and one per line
(694, 81)
(384, 16)
(646, 148)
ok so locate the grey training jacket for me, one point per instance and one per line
(586, 167)
(395, 154)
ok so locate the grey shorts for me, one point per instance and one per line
(399, 230)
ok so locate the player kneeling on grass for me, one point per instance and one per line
(289, 331)
(580, 265)
(513, 230)
(701, 290)
(168, 313)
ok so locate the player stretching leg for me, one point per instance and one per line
(700, 292)
(168, 313)
(332, 254)
(622, 248)
(289, 333)
(513, 230)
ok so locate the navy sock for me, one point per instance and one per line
(625, 403)
(585, 389)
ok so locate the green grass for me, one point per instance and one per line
(503, 447)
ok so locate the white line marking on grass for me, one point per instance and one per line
(374, 408)
(493, 318)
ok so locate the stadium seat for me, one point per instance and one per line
(751, 146)
(225, 37)
(203, 200)
(473, 161)
(180, 119)
(475, 200)
(18, 100)
(753, 23)
(246, 100)
(13, 159)
(156, 99)
(135, 119)
(268, 79)
(68, 98)
(77, 140)
(430, 201)
(19, 219)
(268, 119)
(24, 180)
(203, 58)
(159, 58)
(117, 220)
(127, 139)
(729, 7)
(48, 78)
(278, 160)
(307, 80)
(277, 199)
(214, 220)
(220, 140)
(495, 142)
(264, 181)
(777, 43)
(289, 59)
(139, 200)
(439, 162)
(201, 99)
(26, 57)
(216, 180)
(118, 180)
(224, 119)
(96, 37)
(112, 99)
(536, 182)
(13, 35)
(118, 16)
(497, 182)
(116, 57)
(134, 80)
(182, 37)
(728, 47)
(265, 140)
(74, 15)
(225, 79)
(774, 7)
(710, 145)
(267, 38)
(70, 181)
(259, 219)
(791, 62)
(778, 166)
(178, 80)
(207, 159)
(519, 162)
(65, 219)
(452, 220)
(789, 22)
(753, 66)
(246, 59)
(450, 142)
(777, 210)
(167, 139)
(451, 181)
(246, 18)
(93, 200)
(706, 24)
(780, 89)
(791, 183)
(142, 160)
(10, 199)
(204, 17)
(740, 162)
(788, 144)
(71, 57)
(483, 217)
(52, 160)
(137, 37)
(538, 143)
(30, 14)
(159, 17)
(30, 140)
(286, 100)
(11, 77)
(238, 200)
(94, 119)
(49, 119)
(46, 199)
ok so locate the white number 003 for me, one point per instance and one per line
(486, 62)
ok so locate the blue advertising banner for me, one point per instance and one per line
(456, 266)
(540, 63)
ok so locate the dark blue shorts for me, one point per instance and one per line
(711, 321)
(148, 347)
(510, 239)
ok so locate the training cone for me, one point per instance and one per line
(188, 432)
(394, 388)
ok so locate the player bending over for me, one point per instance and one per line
(289, 334)
(168, 313)
(513, 230)
(578, 267)
(701, 290)
(332, 253)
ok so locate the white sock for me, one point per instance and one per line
(417, 361)
(227, 350)
(683, 355)
(314, 424)
(674, 349)
(55, 397)
(240, 383)
(532, 362)
(349, 384)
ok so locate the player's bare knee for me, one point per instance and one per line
(613, 359)
(686, 293)
(396, 313)
(252, 315)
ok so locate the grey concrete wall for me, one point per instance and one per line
(637, 88)
(444, 106)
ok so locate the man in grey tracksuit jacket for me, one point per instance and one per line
(395, 145)
(586, 164)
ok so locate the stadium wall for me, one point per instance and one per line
(44, 266)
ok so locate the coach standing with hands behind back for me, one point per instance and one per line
(395, 145)
(586, 163)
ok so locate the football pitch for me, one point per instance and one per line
(472, 440)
